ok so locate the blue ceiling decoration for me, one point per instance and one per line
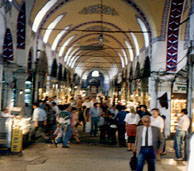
(21, 28)
(8, 46)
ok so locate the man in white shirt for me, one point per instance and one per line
(181, 131)
(39, 119)
(148, 143)
(158, 121)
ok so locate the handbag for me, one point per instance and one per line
(133, 162)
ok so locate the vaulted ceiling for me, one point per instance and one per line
(73, 23)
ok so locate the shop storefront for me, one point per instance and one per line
(14, 131)
(178, 101)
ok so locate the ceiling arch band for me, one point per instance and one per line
(50, 28)
(110, 36)
(90, 52)
(65, 44)
(145, 32)
(137, 50)
(58, 37)
(49, 11)
(141, 13)
(75, 54)
(114, 51)
(41, 14)
(94, 22)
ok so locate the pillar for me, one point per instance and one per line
(1, 83)
(153, 91)
(190, 97)
(165, 87)
(158, 85)
(20, 84)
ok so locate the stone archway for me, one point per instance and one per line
(41, 75)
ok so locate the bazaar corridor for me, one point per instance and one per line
(79, 158)
(96, 85)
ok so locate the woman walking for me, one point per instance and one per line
(131, 120)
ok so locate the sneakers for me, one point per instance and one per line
(179, 159)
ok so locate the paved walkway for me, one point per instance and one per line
(42, 157)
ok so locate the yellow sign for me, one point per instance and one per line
(17, 140)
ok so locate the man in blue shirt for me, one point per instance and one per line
(95, 114)
(121, 126)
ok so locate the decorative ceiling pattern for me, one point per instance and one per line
(98, 9)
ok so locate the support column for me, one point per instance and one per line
(190, 97)
(48, 86)
(8, 91)
(1, 83)
(165, 87)
(153, 91)
(157, 87)
(20, 84)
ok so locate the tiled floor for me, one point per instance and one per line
(41, 157)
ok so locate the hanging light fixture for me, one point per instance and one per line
(101, 38)
(101, 35)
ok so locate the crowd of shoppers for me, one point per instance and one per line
(139, 130)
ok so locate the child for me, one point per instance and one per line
(58, 134)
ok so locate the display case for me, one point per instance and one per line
(5, 133)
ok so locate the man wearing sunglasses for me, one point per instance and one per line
(148, 143)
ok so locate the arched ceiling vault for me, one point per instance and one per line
(86, 23)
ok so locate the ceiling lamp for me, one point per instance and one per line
(101, 39)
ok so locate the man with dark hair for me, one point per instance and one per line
(144, 111)
(181, 131)
(138, 110)
(39, 118)
(120, 118)
(95, 114)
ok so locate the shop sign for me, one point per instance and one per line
(180, 87)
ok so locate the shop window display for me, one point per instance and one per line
(176, 106)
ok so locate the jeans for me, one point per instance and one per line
(146, 154)
(66, 136)
(178, 142)
(94, 127)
